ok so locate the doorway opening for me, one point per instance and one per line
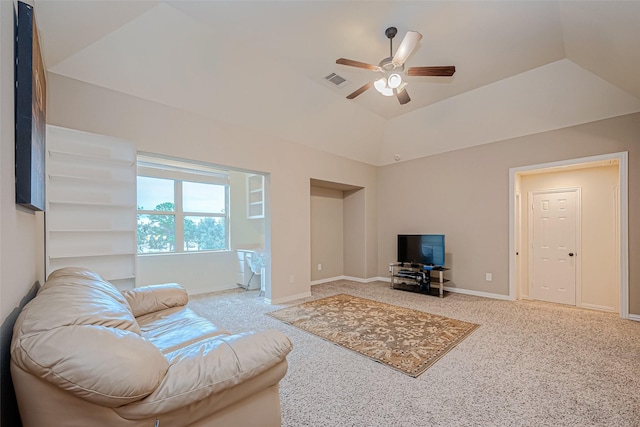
(337, 231)
(214, 220)
(604, 235)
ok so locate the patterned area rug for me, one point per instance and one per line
(401, 338)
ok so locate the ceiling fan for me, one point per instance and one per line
(390, 82)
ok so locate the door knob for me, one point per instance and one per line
(570, 253)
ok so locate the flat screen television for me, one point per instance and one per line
(425, 249)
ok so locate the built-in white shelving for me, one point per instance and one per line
(255, 196)
(91, 204)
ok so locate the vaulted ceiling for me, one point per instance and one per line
(522, 67)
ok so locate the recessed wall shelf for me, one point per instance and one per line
(255, 196)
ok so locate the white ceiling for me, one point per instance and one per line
(522, 67)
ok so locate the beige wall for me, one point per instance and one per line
(21, 239)
(157, 128)
(599, 279)
(465, 195)
(355, 232)
(197, 272)
(327, 233)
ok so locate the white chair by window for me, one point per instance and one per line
(257, 262)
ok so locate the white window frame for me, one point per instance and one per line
(180, 171)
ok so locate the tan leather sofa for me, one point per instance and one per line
(85, 354)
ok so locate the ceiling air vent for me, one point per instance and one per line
(336, 80)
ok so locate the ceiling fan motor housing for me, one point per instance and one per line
(387, 65)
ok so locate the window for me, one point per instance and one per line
(182, 207)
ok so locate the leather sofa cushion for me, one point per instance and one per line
(75, 296)
(207, 367)
(79, 333)
(105, 366)
(149, 299)
(179, 327)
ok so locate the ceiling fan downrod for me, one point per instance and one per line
(391, 33)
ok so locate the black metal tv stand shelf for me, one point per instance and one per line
(415, 278)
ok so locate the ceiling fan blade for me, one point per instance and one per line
(402, 95)
(359, 91)
(444, 71)
(352, 63)
(409, 43)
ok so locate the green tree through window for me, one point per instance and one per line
(201, 234)
(156, 233)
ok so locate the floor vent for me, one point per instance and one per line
(336, 80)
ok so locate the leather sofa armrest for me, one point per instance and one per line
(208, 367)
(152, 298)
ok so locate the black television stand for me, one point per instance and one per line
(415, 278)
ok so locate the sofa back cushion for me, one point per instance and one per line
(76, 296)
(80, 334)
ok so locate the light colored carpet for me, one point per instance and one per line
(401, 338)
(530, 364)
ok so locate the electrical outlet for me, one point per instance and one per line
(292, 278)
(488, 277)
(319, 267)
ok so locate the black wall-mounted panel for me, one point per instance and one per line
(30, 110)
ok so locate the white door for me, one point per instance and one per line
(554, 246)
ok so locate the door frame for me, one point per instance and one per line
(623, 220)
(578, 240)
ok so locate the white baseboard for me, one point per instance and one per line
(199, 291)
(327, 280)
(353, 279)
(598, 307)
(478, 293)
(635, 317)
(288, 298)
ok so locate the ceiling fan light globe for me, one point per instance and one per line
(387, 91)
(395, 80)
(380, 84)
